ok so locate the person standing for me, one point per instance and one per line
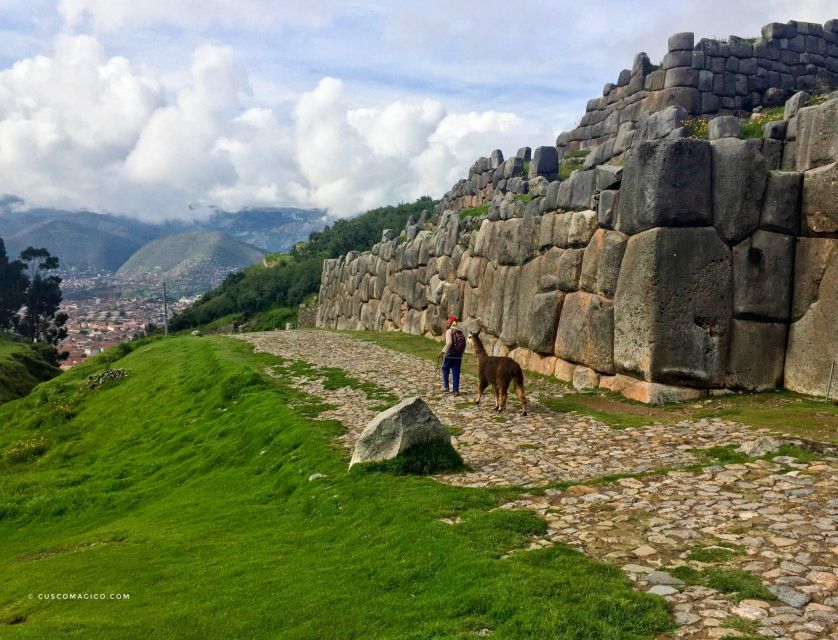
(452, 355)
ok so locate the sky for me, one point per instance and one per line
(163, 109)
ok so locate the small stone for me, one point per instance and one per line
(791, 597)
(661, 577)
(662, 590)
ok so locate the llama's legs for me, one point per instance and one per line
(519, 391)
(504, 391)
(481, 387)
(497, 397)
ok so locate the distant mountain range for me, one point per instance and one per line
(95, 242)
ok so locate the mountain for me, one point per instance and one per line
(103, 242)
(81, 239)
(201, 258)
(269, 229)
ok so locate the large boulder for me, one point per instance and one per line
(762, 276)
(812, 346)
(545, 162)
(673, 307)
(570, 266)
(820, 199)
(739, 176)
(576, 191)
(757, 353)
(811, 258)
(397, 429)
(665, 183)
(586, 331)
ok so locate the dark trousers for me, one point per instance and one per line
(451, 364)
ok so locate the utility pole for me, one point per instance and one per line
(165, 312)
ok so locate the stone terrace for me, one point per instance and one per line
(783, 516)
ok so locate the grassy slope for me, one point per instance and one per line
(21, 368)
(783, 411)
(185, 250)
(187, 485)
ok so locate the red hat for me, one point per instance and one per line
(452, 319)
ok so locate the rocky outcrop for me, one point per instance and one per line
(687, 266)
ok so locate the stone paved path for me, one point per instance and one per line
(781, 518)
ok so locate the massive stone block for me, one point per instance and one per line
(811, 258)
(673, 307)
(576, 191)
(583, 224)
(526, 289)
(757, 355)
(586, 331)
(817, 135)
(544, 320)
(820, 199)
(739, 177)
(665, 183)
(570, 266)
(545, 162)
(781, 209)
(762, 276)
(812, 346)
(601, 264)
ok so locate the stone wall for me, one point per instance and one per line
(711, 78)
(694, 266)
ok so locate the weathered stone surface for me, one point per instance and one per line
(812, 346)
(673, 307)
(397, 429)
(683, 41)
(648, 392)
(665, 183)
(724, 127)
(817, 135)
(812, 257)
(585, 378)
(762, 276)
(601, 264)
(760, 446)
(608, 176)
(576, 191)
(545, 162)
(820, 199)
(757, 355)
(781, 208)
(546, 308)
(583, 224)
(570, 267)
(586, 330)
(739, 177)
(607, 208)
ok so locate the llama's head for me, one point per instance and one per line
(474, 339)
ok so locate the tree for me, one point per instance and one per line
(13, 284)
(41, 320)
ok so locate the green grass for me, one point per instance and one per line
(565, 169)
(581, 404)
(739, 585)
(751, 128)
(334, 379)
(475, 212)
(713, 554)
(192, 485)
(524, 197)
(421, 459)
(22, 367)
(526, 169)
(577, 153)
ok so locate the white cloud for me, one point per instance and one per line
(80, 129)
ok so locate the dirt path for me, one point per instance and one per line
(779, 520)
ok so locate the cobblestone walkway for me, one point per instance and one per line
(777, 520)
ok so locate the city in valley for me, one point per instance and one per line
(105, 310)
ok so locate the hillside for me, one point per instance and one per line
(80, 239)
(257, 290)
(269, 229)
(22, 367)
(231, 496)
(187, 256)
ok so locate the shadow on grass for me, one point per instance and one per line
(423, 459)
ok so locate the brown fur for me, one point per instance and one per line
(499, 372)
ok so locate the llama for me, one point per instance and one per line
(499, 372)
